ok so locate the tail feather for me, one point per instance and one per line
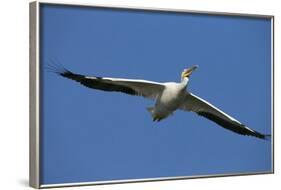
(150, 109)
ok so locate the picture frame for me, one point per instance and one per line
(36, 92)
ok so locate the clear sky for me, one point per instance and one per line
(90, 135)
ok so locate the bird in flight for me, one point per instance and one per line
(168, 97)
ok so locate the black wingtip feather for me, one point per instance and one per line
(94, 82)
(235, 127)
(267, 137)
(59, 69)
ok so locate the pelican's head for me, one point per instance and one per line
(187, 72)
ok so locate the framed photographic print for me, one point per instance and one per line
(131, 94)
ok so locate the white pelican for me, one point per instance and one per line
(168, 97)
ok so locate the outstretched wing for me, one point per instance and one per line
(203, 108)
(147, 89)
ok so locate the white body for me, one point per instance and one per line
(170, 100)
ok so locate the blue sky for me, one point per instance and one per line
(90, 135)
